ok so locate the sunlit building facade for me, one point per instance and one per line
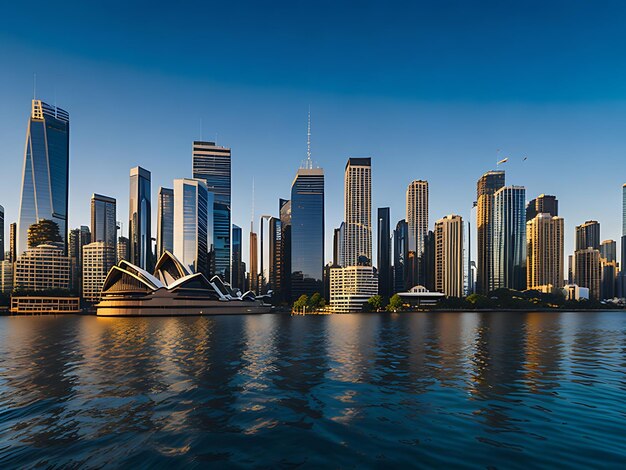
(351, 287)
(545, 252)
(45, 174)
(1, 233)
(103, 219)
(193, 224)
(449, 256)
(486, 187)
(140, 219)
(42, 268)
(588, 271)
(588, 235)
(98, 259)
(358, 212)
(542, 204)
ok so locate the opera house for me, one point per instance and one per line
(172, 290)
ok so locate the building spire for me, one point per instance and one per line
(309, 163)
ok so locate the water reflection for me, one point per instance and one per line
(454, 389)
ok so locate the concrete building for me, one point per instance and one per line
(6, 277)
(358, 212)
(449, 256)
(103, 219)
(544, 251)
(588, 235)
(608, 250)
(42, 268)
(417, 215)
(123, 249)
(351, 287)
(543, 204)
(587, 272)
(486, 187)
(165, 221)
(98, 259)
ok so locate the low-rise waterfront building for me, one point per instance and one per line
(44, 267)
(351, 287)
(33, 305)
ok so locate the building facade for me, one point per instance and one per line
(307, 232)
(608, 250)
(42, 268)
(351, 287)
(78, 238)
(165, 221)
(385, 275)
(545, 251)
(358, 212)
(103, 219)
(1, 233)
(486, 187)
(400, 255)
(449, 256)
(140, 219)
(123, 249)
(45, 173)
(284, 208)
(588, 272)
(543, 204)
(417, 220)
(509, 238)
(212, 164)
(238, 269)
(13, 242)
(193, 224)
(588, 235)
(6, 277)
(98, 259)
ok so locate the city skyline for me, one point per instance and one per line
(438, 127)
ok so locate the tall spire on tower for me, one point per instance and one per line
(309, 163)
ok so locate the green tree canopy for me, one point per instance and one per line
(395, 303)
(316, 301)
(375, 303)
(44, 231)
(301, 302)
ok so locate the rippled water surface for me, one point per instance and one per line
(504, 390)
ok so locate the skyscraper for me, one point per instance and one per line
(103, 219)
(123, 249)
(385, 276)
(486, 187)
(140, 219)
(449, 256)
(509, 238)
(165, 221)
(271, 262)
(358, 212)
(98, 259)
(588, 235)
(1, 233)
(284, 207)
(417, 218)
(587, 272)
(46, 171)
(608, 250)
(307, 231)
(400, 254)
(212, 164)
(192, 223)
(13, 242)
(545, 251)
(253, 275)
(78, 238)
(238, 270)
(543, 204)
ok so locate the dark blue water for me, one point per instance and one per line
(503, 390)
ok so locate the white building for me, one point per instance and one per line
(42, 268)
(358, 212)
(351, 287)
(417, 215)
(98, 259)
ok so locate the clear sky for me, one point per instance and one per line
(429, 90)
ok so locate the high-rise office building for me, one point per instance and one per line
(307, 231)
(13, 242)
(193, 224)
(587, 272)
(140, 219)
(212, 164)
(609, 271)
(417, 219)
(351, 287)
(98, 259)
(509, 238)
(486, 187)
(103, 219)
(543, 204)
(449, 256)
(238, 269)
(45, 172)
(545, 251)
(400, 255)
(284, 207)
(608, 250)
(78, 238)
(385, 275)
(123, 249)
(358, 212)
(621, 277)
(253, 275)
(165, 221)
(42, 268)
(588, 235)
(270, 262)
(1, 233)
(6, 277)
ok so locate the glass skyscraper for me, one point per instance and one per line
(238, 269)
(140, 220)
(1, 233)
(400, 254)
(103, 219)
(192, 224)
(212, 164)
(509, 238)
(165, 221)
(486, 187)
(284, 207)
(45, 172)
(384, 253)
(307, 232)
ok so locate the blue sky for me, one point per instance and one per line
(429, 90)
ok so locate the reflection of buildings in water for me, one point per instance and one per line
(498, 364)
(259, 352)
(543, 351)
(39, 358)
